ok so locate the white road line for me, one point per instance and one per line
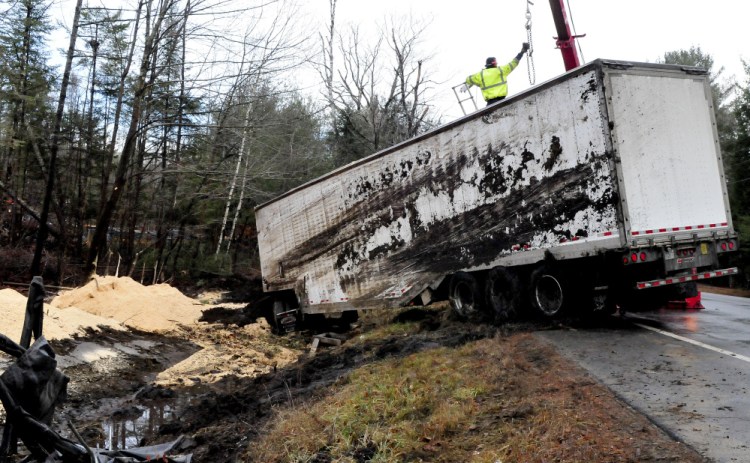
(695, 343)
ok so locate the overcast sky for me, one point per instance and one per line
(463, 34)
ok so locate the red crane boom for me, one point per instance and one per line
(565, 39)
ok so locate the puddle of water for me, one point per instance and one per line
(86, 352)
(123, 432)
(119, 433)
(143, 344)
(126, 349)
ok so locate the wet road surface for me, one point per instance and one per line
(688, 371)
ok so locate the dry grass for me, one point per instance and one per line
(725, 291)
(507, 399)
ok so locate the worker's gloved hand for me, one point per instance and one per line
(464, 89)
(525, 47)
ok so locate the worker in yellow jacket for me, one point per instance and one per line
(493, 79)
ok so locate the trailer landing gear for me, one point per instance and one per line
(284, 317)
(502, 291)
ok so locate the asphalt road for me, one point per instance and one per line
(688, 371)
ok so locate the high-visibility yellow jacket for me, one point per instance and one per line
(493, 81)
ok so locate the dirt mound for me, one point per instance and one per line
(59, 323)
(154, 308)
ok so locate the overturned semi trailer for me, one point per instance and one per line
(589, 189)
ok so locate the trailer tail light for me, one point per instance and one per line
(635, 257)
(728, 245)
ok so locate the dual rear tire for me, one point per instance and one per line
(546, 291)
(500, 294)
(464, 295)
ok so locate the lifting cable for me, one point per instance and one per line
(575, 34)
(530, 54)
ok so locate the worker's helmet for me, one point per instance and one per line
(491, 62)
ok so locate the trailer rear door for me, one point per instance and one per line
(671, 175)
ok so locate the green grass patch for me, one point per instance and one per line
(393, 409)
(506, 399)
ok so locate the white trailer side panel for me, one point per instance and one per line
(671, 165)
(533, 173)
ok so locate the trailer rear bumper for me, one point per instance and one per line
(687, 278)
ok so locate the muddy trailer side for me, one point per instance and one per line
(602, 182)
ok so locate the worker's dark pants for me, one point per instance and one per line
(495, 100)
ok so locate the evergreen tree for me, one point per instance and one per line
(25, 84)
(741, 149)
(721, 91)
(26, 76)
(739, 161)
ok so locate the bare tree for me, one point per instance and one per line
(411, 85)
(265, 58)
(381, 91)
(325, 67)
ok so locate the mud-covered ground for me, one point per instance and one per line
(138, 388)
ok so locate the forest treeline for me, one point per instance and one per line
(175, 118)
(141, 145)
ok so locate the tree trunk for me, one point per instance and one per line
(239, 203)
(140, 89)
(85, 165)
(42, 234)
(118, 111)
(233, 184)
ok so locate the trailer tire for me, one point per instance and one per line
(464, 295)
(546, 291)
(502, 291)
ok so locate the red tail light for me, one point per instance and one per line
(731, 245)
(634, 257)
(625, 260)
(643, 256)
(724, 246)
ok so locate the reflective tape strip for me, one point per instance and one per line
(526, 247)
(327, 301)
(686, 278)
(678, 229)
(393, 293)
(502, 80)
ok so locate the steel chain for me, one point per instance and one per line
(530, 53)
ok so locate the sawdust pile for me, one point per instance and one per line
(229, 353)
(58, 323)
(155, 308)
